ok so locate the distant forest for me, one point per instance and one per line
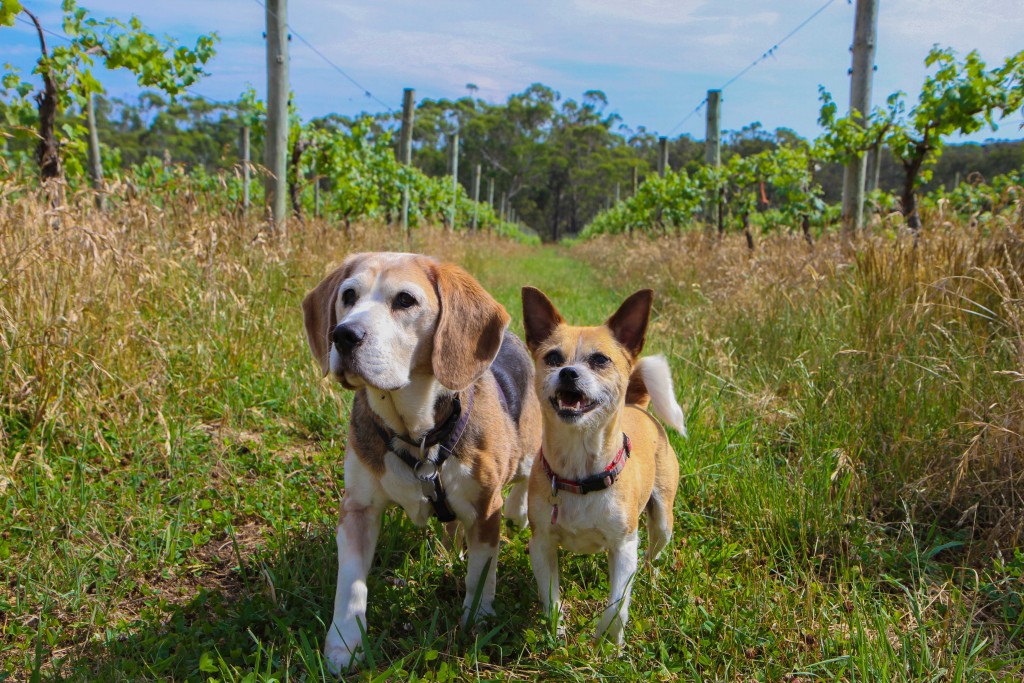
(559, 161)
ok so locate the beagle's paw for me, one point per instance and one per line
(484, 614)
(339, 658)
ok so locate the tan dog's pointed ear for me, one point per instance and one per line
(470, 328)
(540, 317)
(629, 323)
(319, 313)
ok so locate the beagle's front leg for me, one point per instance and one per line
(483, 537)
(362, 507)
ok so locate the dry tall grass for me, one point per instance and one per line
(96, 308)
(93, 312)
(917, 345)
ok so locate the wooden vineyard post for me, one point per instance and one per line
(405, 148)
(277, 111)
(95, 161)
(455, 176)
(476, 195)
(864, 31)
(713, 151)
(246, 168)
(316, 191)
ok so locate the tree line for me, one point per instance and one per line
(559, 163)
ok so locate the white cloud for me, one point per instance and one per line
(995, 27)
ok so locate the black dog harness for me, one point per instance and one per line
(427, 469)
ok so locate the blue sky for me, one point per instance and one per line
(654, 59)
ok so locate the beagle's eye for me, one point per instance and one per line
(599, 360)
(554, 358)
(403, 300)
(348, 297)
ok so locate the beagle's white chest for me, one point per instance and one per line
(405, 490)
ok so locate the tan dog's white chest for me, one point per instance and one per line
(585, 524)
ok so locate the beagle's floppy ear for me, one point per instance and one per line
(470, 328)
(540, 317)
(629, 323)
(320, 314)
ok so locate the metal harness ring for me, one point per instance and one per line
(425, 469)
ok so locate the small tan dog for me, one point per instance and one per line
(604, 459)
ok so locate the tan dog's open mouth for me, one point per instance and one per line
(572, 404)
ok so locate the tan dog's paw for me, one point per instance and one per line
(610, 628)
(557, 619)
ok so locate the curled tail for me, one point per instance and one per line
(651, 382)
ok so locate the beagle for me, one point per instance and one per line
(605, 459)
(443, 416)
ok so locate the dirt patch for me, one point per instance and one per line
(222, 556)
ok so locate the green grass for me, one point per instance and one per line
(172, 517)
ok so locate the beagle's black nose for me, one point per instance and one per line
(348, 337)
(568, 375)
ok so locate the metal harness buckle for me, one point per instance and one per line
(426, 472)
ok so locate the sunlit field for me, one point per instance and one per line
(850, 504)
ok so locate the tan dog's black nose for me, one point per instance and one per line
(568, 375)
(348, 337)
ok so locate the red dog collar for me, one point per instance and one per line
(595, 482)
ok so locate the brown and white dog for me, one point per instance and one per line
(605, 459)
(436, 376)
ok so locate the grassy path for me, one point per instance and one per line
(569, 283)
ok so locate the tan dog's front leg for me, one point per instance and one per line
(358, 529)
(544, 560)
(622, 563)
(483, 539)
